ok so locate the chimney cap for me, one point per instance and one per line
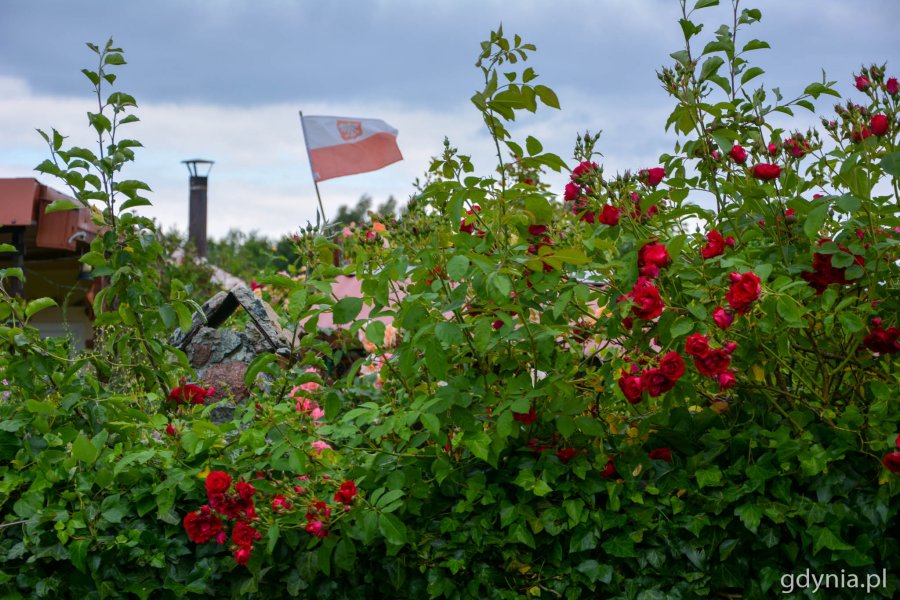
(195, 165)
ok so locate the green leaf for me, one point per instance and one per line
(36, 306)
(851, 322)
(825, 538)
(78, 551)
(681, 327)
(138, 201)
(815, 220)
(710, 66)
(705, 4)
(789, 310)
(891, 164)
(84, 450)
(431, 423)
(547, 96)
(375, 332)
(709, 477)
(449, 333)
(750, 515)
(457, 267)
(392, 528)
(594, 571)
(750, 74)
(4, 248)
(478, 444)
(755, 45)
(60, 205)
(533, 146)
(346, 309)
(114, 508)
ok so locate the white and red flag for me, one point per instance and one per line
(339, 146)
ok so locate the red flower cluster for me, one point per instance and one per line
(882, 341)
(636, 213)
(317, 515)
(346, 493)
(824, 274)
(651, 258)
(206, 524)
(797, 145)
(709, 362)
(577, 188)
(567, 454)
(190, 393)
(743, 292)
(656, 381)
(715, 246)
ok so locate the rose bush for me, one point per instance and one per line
(620, 394)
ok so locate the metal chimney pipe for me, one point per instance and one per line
(197, 209)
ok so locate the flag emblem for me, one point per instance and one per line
(349, 130)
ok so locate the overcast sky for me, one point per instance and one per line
(224, 79)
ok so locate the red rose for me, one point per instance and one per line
(862, 84)
(726, 380)
(170, 430)
(672, 366)
(897, 442)
(203, 525)
(738, 154)
(653, 176)
(279, 503)
(585, 168)
(892, 462)
(651, 258)
(537, 229)
(609, 470)
(798, 147)
(317, 529)
(573, 191)
(715, 246)
(245, 491)
(879, 124)
(567, 454)
(883, 341)
(610, 215)
(631, 387)
(244, 535)
(656, 383)
(647, 303)
(346, 494)
(766, 172)
(242, 555)
(661, 454)
(892, 87)
(713, 362)
(217, 482)
(190, 392)
(696, 344)
(824, 274)
(743, 292)
(526, 418)
(860, 134)
(723, 318)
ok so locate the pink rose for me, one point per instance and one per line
(862, 84)
(723, 318)
(632, 387)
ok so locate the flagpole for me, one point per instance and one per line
(312, 171)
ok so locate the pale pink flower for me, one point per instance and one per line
(347, 232)
(390, 336)
(321, 446)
